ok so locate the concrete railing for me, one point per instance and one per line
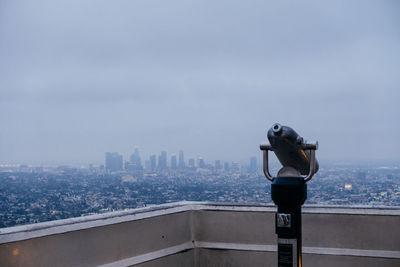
(204, 234)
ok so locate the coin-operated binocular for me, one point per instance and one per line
(289, 188)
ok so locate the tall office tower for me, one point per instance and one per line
(147, 165)
(191, 163)
(202, 163)
(174, 166)
(113, 161)
(159, 164)
(136, 160)
(134, 166)
(235, 166)
(218, 165)
(253, 164)
(162, 161)
(153, 163)
(226, 167)
(181, 163)
(130, 167)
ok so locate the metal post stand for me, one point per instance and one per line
(289, 190)
(289, 194)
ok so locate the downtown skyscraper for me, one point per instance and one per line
(162, 161)
(181, 163)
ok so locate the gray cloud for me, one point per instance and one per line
(78, 78)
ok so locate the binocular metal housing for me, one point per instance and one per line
(292, 152)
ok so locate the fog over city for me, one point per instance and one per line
(80, 78)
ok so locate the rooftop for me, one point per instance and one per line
(205, 234)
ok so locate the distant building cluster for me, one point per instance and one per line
(31, 194)
(114, 163)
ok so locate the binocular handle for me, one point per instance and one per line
(306, 146)
(265, 149)
(310, 146)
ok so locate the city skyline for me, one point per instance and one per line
(117, 162)
(147, 156)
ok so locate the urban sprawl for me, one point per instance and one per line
(31, 194)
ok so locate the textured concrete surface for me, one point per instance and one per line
(372, 232)
(203, 234)
(184, 259)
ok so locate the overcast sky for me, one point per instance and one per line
(79, 78)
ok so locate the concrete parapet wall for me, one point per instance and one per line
(204, 234)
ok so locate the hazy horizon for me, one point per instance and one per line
(81, 78)
(324, 163)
